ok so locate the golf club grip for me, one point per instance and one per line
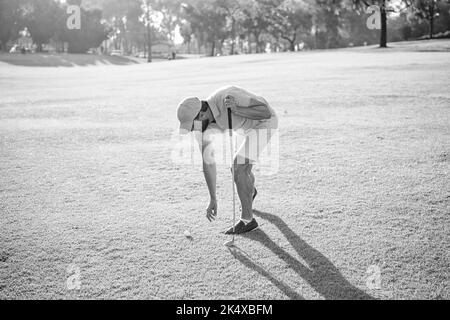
(230, 121)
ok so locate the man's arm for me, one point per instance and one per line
(210, 173)
(255, 110)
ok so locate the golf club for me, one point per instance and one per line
(230, 127)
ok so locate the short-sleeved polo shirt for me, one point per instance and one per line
(243, 98)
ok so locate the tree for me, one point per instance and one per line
(353, 30)
(132, 22)
(291, 19)
(40, 20)
(11, 21)
(207, 21)
(426, 10)
(92, 33)
(168, 11)
(384, 10)
(257, 20)
(327, 21)
(135, 30)
(233, 10)
(147, 19)
(117, 14)
(186, 34)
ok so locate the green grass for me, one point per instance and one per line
(86, 179)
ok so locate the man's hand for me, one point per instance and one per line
(211, 212)
(230, 103)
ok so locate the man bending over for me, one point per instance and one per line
(251, 115)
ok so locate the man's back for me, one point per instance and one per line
(243, 98)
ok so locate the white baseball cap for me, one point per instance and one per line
(188, 109)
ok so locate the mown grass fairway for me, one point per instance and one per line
(87, 183)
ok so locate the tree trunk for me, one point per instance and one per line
(292, 45)
(315, 37)
(276, 47)
(383, 35)
(149, 44)
(213, 48)
(258, 47)
(233, 36)
(220, 46)
(199, 45)
(431, 26)
(291, 42)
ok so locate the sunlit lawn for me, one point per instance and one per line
(87, 183)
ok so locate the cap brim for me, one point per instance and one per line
(186, 127)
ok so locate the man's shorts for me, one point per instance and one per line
(254, 142)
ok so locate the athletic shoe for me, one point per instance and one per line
(241, 227)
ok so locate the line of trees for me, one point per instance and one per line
(412, 14)
(230, 26)
(222, 26)
(46, 20)
(315, 24)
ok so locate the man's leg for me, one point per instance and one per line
(251, 175)
(244, 179)
(245, 185)
(248, 153)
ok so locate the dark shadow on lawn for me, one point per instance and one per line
(63, 60)
(319, 272)
(245, 259)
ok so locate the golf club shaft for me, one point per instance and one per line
(230, 127)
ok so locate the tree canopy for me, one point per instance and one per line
(223, 26)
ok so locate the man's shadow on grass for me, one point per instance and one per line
(319, 272)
